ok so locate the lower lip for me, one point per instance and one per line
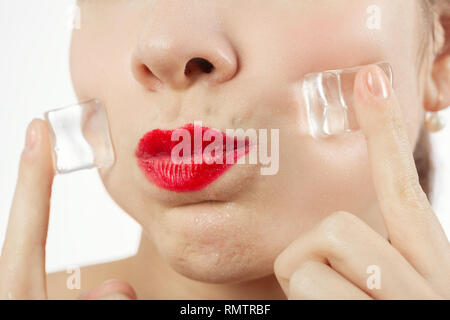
(154, 159)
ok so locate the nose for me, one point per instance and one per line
(179, 48)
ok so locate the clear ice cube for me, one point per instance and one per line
(329, 100)
(80, 137)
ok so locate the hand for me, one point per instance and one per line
(331, 261)
(22, 263)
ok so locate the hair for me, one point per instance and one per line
(423, 150)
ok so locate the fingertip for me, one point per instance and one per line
(372, 85)
(373, 97)
(37, 149)
(36, 169)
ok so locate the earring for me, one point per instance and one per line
(433, 119)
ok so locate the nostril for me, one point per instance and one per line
(144, 71)
(145, 76)
(198, 65)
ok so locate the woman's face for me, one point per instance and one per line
(234, 228)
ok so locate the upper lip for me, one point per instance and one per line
(154, 158)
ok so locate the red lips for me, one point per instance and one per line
(154, 154)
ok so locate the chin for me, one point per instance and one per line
(225, 266)
(213, 243)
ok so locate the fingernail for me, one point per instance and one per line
(377, 83)
(31, 138)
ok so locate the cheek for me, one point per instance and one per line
(326, 36)
(329, 39)
(316, 178)
(101, 49)
(346, 35)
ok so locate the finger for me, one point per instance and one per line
(412, 226)
(352, 249)
(22, 264)
(111, 290)
(317, 281)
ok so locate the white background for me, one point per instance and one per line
(85, 225)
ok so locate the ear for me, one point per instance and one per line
(437, 93)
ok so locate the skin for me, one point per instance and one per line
(246, 235)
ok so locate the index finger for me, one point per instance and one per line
(411, 224)
(22, 264)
